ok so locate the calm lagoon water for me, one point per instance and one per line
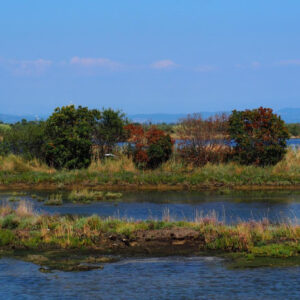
(155, 278)
(277, 206)
(162, 278)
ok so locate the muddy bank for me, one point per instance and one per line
(143, 187)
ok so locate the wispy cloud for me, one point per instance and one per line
(206, 68)
(289, 62)
(163, 64)
(255, 64)
(26, 67)
(252, 65)
(89, 62)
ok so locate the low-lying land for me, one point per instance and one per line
(245, 244)
(121, 174)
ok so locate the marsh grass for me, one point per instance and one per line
(86, 196)
(172, 174)
(13, 163)
(118, 164)
(14, 199)
(23, 228)
(54, 200)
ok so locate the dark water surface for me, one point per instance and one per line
(155, 278)
(277, 206)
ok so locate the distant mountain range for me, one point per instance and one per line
(289, 115)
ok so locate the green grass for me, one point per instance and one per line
(22, 228)
(171, 175)
(87, 196)
(54, 200)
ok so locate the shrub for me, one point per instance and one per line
(259, 136)
(203, 141)
(25, 139)
(109, 131)
(68, 136)
(150, 148)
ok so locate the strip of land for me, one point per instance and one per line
(246, 242)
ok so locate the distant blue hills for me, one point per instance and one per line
(289, 115)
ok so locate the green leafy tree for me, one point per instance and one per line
(68, 136)
(159, 152)
(259, 136)
(109, 130)
(24, 138)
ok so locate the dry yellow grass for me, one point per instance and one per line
(15, 163)
(24, 209)
(290, 163)
(120, 163)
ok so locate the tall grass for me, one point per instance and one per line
(121, 171)
(111, 165)
(23, 228)
(13, 163)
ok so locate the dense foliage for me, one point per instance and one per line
(68, 135)
(109, 130)
(73, 137)
(294, 129)
(151, 147)
(24, 138)
(259, 136)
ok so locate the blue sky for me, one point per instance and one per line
(168, 56)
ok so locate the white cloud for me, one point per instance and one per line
(255, 64)
(292, 62)
(27, 67)
(89, 62)
(163, 64)
(206, 68)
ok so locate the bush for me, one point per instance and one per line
(25, 139)
(150, 148)
(109, 131)
(68, 136)
(259, 136)
(203, 141)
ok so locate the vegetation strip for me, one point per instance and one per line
(121, 174)
(22, 229)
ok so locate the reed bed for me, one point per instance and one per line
(22, 227)
(120, 171)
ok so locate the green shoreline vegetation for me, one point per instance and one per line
(78, 147)
(122, 174)
(244, 244)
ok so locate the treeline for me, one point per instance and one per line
(294, 129)
(73, 136)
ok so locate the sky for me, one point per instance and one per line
(155, 56)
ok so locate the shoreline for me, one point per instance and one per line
(146, 187)
(51, 240)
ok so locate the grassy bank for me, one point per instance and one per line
(22, 229)
(122, 174)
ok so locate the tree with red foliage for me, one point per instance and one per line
(259, 136)
(151, 147)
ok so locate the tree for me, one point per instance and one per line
(151, 148)
(203, 140)
(68, 135)
(25, 138)
(259, 136)
(109, 130)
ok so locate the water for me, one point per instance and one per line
(278, 206)
(155, 278)
(162, 278)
